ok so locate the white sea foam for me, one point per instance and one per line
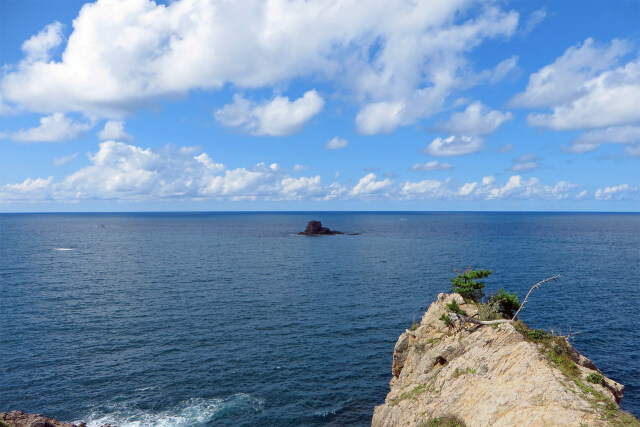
(64, 249)
(192, 412)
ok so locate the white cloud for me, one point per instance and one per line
(277, 117)
(564, 80)
(29, 190)
(487, 189)
(503, 69)
(524, 167)
(124, 55)
(114, 129)
(54, 128)
(381, 117)
(39, 46)
(119, 171)
(477, 119)
(336, 143)
(589, 141)
(454, 146)
(632, 150)
(505, 148)
(63, 160)
(535, 18)
(609, 99)
(617, 192)
(525, 163)
(431, 166)
(368, 187)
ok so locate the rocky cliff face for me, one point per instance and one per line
(497, 375)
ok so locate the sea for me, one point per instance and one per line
(232, 319)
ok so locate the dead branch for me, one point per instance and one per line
(461, 318)
(554, 278)
(465, 319)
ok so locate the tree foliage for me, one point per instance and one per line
(467, 286)
(507, 303)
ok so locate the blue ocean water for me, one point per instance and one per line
(230, 319)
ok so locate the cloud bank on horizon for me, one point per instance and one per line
(451, 80)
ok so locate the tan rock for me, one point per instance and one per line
(489, 376)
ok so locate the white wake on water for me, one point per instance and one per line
(63, 249)
(192, 412)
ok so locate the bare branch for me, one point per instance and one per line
(554, 278)
(465, 319)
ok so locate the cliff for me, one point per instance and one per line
(500, 375)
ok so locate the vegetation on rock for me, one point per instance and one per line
(467, 286)
(447, 421)
(507, 303)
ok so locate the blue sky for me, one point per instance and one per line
(322, 105)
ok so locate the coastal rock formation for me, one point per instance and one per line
(23, 419)
(315, 228)
(501, 375)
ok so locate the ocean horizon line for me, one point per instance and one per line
(315, 211)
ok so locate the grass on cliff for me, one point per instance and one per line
(446, 421)
(558, 352)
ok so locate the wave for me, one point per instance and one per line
(64, 249)
(192, 412)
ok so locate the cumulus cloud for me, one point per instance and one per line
(487, 189)
(564, 80)
(300, 168)
(123, 55)
(114, 129)
(431, 166)
(589, 141)
(336, 143)
(454, 146)
(617, 192)
(39, 46)
(63, 160)
(277, 117)
(525, 163)
(54, 128)
(477, 119)
(119, 171)
(606, 100)
(369, 187)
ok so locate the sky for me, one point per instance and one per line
(206, 105)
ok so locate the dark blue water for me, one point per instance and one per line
(231, 319)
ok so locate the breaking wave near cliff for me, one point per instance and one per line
(192, 412)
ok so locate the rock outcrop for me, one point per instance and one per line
(501, 375)
(23, 419)
(315, 228)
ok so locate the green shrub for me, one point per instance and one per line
(446, 421)
(489, 311)
(595, 378)
(446, 319)
(466, 285)
(455, 308)
(508, 303)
